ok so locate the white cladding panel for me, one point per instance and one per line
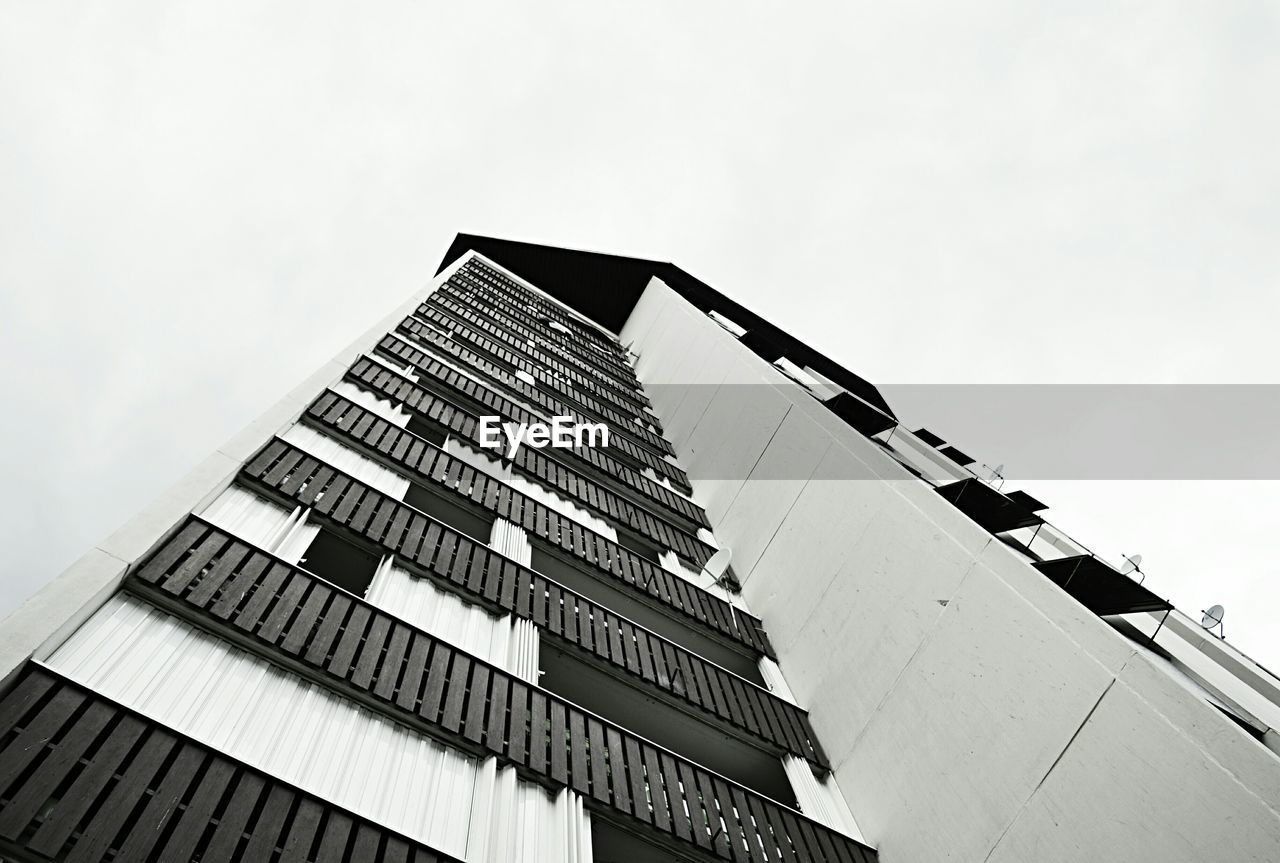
(347, 460)
(525, 823)
(506, 642)
(543, 495)
(262, 523)
(389, 410)
(820, 799)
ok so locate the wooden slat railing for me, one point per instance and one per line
(435, 409)
(608, 459)
(292, 617)
(507, 311)
(478, 275)
(447, 313)
(343, 419)
(405, 350)
(288, 473)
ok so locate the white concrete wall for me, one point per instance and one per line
(971, 709)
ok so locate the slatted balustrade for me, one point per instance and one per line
(603, 458)
(479, 275)
(497, 362)
(515, 360)
(489, 313)
(83, 779)
(509, 312)
(570, 346)
(380, 380)
(289, 616)
(288, 473)
(341, 418)
(485, 274)
(406, 352)
(446, 313)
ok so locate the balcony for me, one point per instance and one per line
(381, 440)
(464, 424)
(451, 384)
(471, 568)
(331, 638)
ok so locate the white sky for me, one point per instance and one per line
(200, 203)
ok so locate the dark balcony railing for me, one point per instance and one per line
(289, 473)
(572, 348)
(343, 417)
(378, 379)
(85, 779)
(446, 313)
(487, 275)
(295, 619)
(516, 360)
(495, 582)
(450, 383)
(481, 276)
(503, 364)
(405, 351)
(476, 311)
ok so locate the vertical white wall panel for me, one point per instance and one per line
(405, 371)
(347, 460)
(820, 799)
(543, 495)
(510, 540)
(262, 523)
(390, 411)
(226, 698)
(773, 679)
(523, 823)
(507, 643)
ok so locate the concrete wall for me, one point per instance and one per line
(972, 711)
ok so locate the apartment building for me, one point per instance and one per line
(761, 622)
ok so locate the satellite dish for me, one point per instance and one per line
(716, 566)
(1131, 564)
(1213, 619)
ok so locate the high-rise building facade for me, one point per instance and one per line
(572, 558)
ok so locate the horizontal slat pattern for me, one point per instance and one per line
(510, 357)
(450, 314)
(403, 530)
(479, 275)
(426, 682)
(554, 397)
(571, 347)
(84, 779)
(464, 424)
(440, 375)
(507, 311)
(490, 578)
(357, 424)
(487, 275)
(494, 323)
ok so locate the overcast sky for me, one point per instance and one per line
(201, 202)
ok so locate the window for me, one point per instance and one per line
(340, 562)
